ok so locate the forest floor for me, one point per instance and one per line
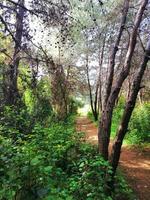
(134, 162)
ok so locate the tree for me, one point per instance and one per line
(106, 118)
(93, 98)
(11, 92)
(130, 104)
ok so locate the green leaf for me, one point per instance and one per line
(48, 169)
(35, 161)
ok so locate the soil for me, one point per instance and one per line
(134, 162)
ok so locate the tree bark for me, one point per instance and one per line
(12, 93)
(96, 103)
(101, 57)
(89, 85)
(106, 119)
(115, 49)
(116, 149)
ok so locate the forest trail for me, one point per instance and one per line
(134, 163)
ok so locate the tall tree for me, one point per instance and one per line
(106, 118)
(114, 51)
(130, 104)
(11, 89)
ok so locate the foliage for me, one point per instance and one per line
(38, 100)
(117, 114)
(29, 164)
(14, 120)
(91, 117)
(122, 189)
(139, 129)
(49, 162)
(88, 174)
(74, 104)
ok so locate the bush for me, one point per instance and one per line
(117, 114)
(33, 165)
(49, 162)
(91, 117)
(139, 129)
(74, 104)
(88, 178)
(122, 189)
(15, 120)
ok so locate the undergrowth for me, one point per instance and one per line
(51, 162)
(138, 130)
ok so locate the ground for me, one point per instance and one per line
(134, 163)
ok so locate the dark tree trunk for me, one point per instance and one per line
(116, 149)
(12, 94)
(106, 119)
(115, 49)
(101, 57)
(59, 91)
(129, 86)
(104, 128)
(96, 103)
(98, 96)
(89, 86)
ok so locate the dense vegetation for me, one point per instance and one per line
(50, 161)
(139, 129)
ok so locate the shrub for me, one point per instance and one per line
(15, 120)
(88, 178)
(33, 165)
(74, 104)
(117, 114)
(122, 189)
(139, 129)
(50, 163)
(91, 117)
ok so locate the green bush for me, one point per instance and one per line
(117, 114)
(74, 104)
(49, 162)
(88, 178)
(15, 120)
(139, 129)
(91, 117)
(122, 189)
(34, 164)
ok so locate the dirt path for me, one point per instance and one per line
(135, 164)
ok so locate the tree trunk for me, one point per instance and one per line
(106, 119)
(89, 86)
(12, 94)
(115, 49)
(104, 128)
(96, 103)
(115, 154)
(101, 57)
